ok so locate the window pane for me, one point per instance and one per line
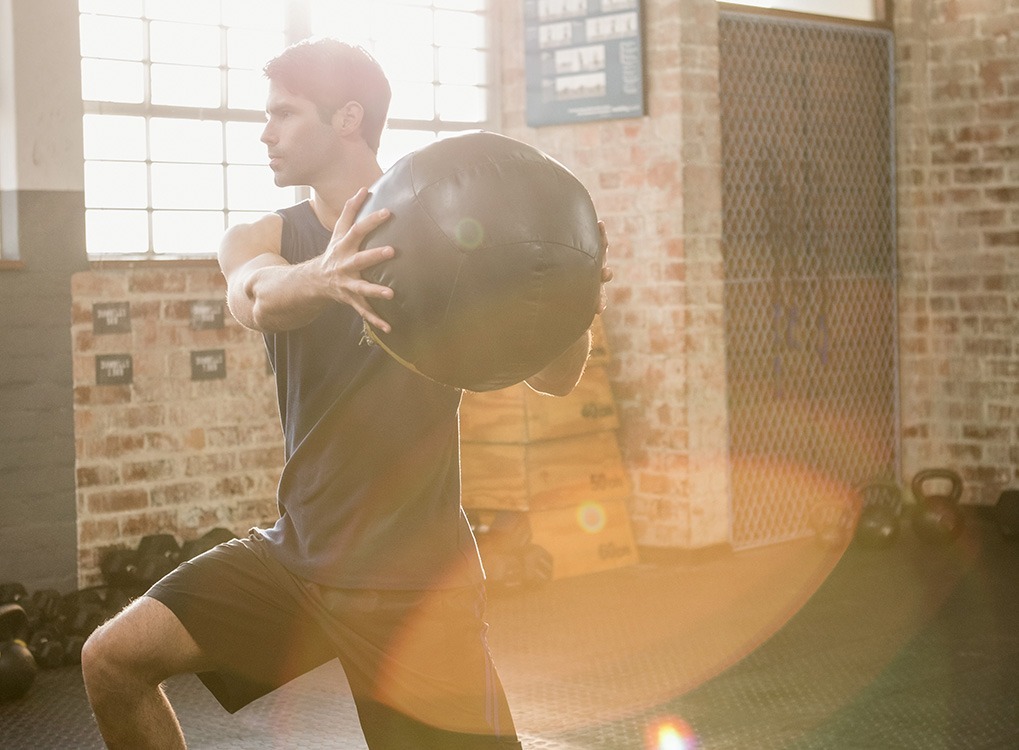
(187, 186)
(187, 232)
(194, 11)
(117, 231)
(112, 38)
(461, 103)
(246, 89)
(112, 81)
(175, 139)
(252, 188)
(265, 14)
(184, 43)
(454, 29)
(111, 7)
(398, 143)
(251, 49)
(185, 86)
(116, 184)
(412, 101)
(243, 144)
(462, 66)
(346, 20)
(863, 10)
(461, 4)
(407, 62)
(402, 24)
(114, 137)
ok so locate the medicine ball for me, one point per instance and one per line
(498, 260)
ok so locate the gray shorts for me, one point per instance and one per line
(417, 662)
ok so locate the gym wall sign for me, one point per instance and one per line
(209, 364)
(583, 60)
(114, 369)
(206, 315)
(111, 317)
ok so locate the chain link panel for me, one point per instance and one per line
(808, 236)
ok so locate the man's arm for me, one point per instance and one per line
(561, 375)
(268, 294)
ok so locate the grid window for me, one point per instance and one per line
(859, 10)
(174, 101)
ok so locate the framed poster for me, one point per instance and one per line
(584, 60)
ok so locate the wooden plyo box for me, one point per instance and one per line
(548, 474)
(520, 415)
(588, 537)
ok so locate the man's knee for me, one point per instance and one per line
(143, 645)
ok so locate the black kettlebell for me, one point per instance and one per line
(878, 525)
(832, 522)
(936, 518)
(17, 665)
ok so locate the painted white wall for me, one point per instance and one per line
(40, 96)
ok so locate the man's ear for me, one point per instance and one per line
(347, 119)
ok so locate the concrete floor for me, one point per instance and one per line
(787, 646)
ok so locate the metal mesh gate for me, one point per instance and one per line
(808, 236)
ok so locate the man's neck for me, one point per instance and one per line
(328, 197)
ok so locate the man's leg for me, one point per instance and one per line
(124, 663)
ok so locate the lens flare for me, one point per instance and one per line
(591, 517)
(671, 734)
(469, 233)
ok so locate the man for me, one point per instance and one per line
(372, 560)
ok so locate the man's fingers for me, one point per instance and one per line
(358, 262)
(369, 316)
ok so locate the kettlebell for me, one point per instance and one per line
(17, 665)
(832, 523)
(936, 518)
(878, 526)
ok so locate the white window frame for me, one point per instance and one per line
(298, 26)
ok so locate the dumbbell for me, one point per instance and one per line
(46, 645)
(12, 592)
(17, 665)
(211, 538)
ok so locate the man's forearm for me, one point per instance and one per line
(563, 373)
(278, 297)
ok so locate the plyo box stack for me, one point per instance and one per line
(556, 462)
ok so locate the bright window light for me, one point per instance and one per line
(174, 99)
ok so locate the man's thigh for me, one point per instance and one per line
(420, 654)
(244, 612)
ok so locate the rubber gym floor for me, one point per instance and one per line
(788, 646)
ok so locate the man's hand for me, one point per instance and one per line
(562, 374)
(341, 264)
(606, 271)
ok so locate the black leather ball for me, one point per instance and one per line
(498, 260)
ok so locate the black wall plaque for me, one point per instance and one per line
(114, 369)
(584, 60)
(111, 317)
(208, 364)
(206, 314)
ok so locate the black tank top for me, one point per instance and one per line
(370, 491)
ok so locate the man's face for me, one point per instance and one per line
(301, 146)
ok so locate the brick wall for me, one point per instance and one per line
(168, 453)
(656, 183)
(957, 68)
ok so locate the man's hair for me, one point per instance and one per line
(331, 73)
